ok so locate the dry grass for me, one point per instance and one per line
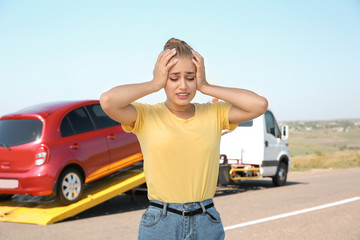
(339, 159)
(324, 147)
(323, 141)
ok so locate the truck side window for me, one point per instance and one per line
(246, 124)
(271, 125)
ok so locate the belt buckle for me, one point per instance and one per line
(183, 213)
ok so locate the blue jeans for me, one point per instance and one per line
(160, 224)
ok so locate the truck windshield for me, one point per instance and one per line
(15, 132)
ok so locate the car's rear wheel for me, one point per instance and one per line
(69, 187)
(5, 197)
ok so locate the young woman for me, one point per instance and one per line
(180, 141)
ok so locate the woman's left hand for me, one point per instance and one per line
(198, 60)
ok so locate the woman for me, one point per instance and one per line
(180, 141)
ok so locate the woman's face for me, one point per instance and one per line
(180, 87)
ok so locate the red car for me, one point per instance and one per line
(56, 148)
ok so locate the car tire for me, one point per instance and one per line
(5, 197)
(281, 174)
(69, 187)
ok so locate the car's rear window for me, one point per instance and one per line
(15, 132)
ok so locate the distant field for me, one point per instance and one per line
(338, 159)
(333, 144)
(322, 141)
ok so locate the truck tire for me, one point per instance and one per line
(280, 178)
(69, 187)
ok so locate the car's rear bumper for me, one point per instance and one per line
(36, 182)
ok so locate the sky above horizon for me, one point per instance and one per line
(303, 56)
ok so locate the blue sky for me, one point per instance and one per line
(302, 55)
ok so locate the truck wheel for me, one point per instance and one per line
(69, 187)
(5, 197)
(280, 178)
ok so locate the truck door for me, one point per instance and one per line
(272, 144)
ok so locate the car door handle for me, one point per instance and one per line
(75, 146)
(266, 143)
(111, 136)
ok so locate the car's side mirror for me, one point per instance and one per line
(285, 132)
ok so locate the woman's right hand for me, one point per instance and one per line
(162, 67)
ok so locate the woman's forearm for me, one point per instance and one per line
(246, 104)
(117, 101)
(242, 99)
(124, 95)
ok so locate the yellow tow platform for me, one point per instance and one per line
(44, 210)
(255, 172)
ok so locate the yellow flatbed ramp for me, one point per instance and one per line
(45, 210)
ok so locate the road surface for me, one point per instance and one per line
(320, 204)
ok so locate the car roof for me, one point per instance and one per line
(46, 109)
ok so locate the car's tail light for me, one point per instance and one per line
(41, 156)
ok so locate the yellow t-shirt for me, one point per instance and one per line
(181, 157)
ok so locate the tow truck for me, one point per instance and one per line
(255, 149)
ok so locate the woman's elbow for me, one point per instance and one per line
(104, 101)
(264, 104)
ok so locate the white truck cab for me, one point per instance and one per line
(256, 148)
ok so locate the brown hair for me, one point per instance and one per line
(182, 48)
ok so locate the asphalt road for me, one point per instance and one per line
(310, 206)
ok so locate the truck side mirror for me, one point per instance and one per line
(285, 132)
